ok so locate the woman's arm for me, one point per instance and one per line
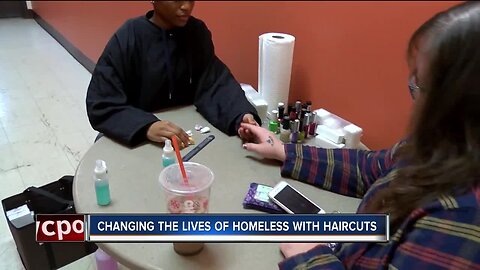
(344, 171)
(349, 172)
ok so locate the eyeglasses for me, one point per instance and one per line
(413, 87)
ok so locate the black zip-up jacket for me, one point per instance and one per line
(144, 68)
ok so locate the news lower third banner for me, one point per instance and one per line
(237, 228)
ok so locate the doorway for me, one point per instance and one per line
(11, 9)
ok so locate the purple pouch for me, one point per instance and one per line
(257, 198)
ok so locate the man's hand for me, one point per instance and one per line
(162, 130)
(249, 119)
(292, 249)
(245, 133)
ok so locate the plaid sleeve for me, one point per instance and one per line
(320, 257)
(345, 171)
(444, 240)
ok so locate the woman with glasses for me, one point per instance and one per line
(429, 184)
(161, 60)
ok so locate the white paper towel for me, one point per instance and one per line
(275, 55)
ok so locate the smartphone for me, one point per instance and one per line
(292, 201)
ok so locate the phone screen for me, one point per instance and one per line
(296, 202)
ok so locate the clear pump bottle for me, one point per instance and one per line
(102, 188)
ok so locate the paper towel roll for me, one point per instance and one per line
(275, 55)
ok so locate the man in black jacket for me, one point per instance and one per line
(163, 59)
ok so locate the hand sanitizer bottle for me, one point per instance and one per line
(102, 188)
(168, 156)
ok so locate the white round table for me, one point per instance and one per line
(134, 187)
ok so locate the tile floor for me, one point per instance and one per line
(44, 129)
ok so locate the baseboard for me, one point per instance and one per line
(28, 14)
(74, 51)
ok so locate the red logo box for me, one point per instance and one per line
(60, 228)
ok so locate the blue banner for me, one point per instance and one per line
(234, 228)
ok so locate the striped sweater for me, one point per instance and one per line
(443, 234)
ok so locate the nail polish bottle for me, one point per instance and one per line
(278, 120)
(281, 110)
(273, 125)
(291, 112)
(298, 108)
(313, 126)
(292, 115)
(309, 106)
(303, 112)
(306, 126)
(301, 137)
(301, 129)
(285, 130)
(294, 129)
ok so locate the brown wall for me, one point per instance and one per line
(349, 56)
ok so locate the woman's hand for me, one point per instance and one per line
(263, 142)
(162, 130)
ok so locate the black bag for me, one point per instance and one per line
(53, 198)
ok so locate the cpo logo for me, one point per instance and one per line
(60, 228)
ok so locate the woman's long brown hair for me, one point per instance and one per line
(442, 154)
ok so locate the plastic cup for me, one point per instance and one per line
(183, 198)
